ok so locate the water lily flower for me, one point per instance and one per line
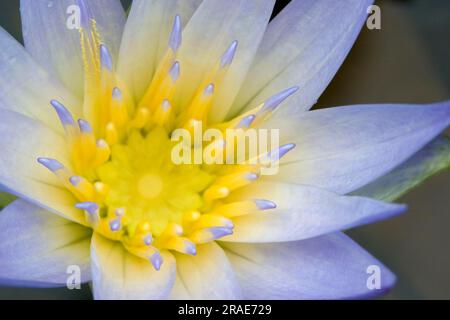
(85, 122)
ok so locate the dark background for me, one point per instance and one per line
(408, 60)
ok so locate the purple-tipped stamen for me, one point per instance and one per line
(117, 94)
(263, 204)
(209, 90)
(148, 240)
(228, 224)
(246, 122)
(102, 144)
(190, 248)
(273, 102)
(165, 105)
(156, 260)
(175, 36)
(228, 56)
(85, 127)
(252, 176)
(91, 207)
(105, 57)
(75, 180)
(279, 153)
(175, 71)
(120, 212)
(220, 232)
(115, 225)
(64, 115)
(50, 164)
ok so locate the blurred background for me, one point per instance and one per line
(408, 60)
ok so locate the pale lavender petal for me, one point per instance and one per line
(304, 212)
(209, 33)
(206, 276)
(29, 150)
(342, 149)
(329, 267)
(117, 274)
(150, 19)
(56, 46)
(26, 88)
(432, 159)
(304, 46)
(37, 247)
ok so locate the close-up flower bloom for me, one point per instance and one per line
(86, 119)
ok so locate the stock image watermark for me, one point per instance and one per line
(73, 281)
(73, 21)
(259, 147)
(374, 280)
(374, 19)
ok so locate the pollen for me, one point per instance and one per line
(121, 172)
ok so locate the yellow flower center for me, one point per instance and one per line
(123, 176)
(150, 186)
(143, 179)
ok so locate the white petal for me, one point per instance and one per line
(342, 149)
(26, 88)
(57, 47)
(329, 267)
(206, 276)
(304, 46)
(22, 141)
(37, 247)
(146, 37)
(212, 29)
(117, 274)
(179, 291)
(304, 212)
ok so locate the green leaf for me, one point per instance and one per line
(435, 157)
(5, 199)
